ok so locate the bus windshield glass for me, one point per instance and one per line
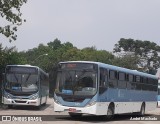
(77, 79)
(21, 79)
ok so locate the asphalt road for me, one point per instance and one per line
(48, 116)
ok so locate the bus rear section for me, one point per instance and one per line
(22, 86)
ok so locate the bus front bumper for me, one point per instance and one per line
(96, 109)
(21, 102)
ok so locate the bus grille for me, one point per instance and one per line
(17, 101)
(72, 99)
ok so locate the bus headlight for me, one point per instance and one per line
(91, 103)
(7, 95)
(34, 96)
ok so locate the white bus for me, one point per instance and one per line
(85, 87)
(158, 97)
(25, 85)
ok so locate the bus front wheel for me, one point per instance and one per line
(110, 112)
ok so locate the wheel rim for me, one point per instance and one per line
(110, 113)
(142, 111)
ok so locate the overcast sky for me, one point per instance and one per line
(86, 23)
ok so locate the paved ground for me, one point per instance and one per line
(60, 118)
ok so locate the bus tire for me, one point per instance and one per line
(45, 101)
(75, 115)
(110, 112)
(142, 110)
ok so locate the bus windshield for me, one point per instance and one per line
(21, 81)
(78, 80)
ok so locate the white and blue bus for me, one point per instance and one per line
(85, 87)
(158, 97)
(25, 85)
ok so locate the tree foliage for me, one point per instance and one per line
(10, 11)
(145, 52)
(9, 56)
(58, 51)
(130, 54)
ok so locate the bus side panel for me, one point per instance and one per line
(150, 106)
(128, 101)
(96, 109)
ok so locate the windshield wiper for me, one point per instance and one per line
(16, 77)
(27, 78)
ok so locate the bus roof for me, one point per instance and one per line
(27, 65)
(112, 67)
(24, 66)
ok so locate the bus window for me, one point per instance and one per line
(121, 81)
(138, 82)
(132, 81)
(158, 91)
(121, 76)
(129, 79)
(137, 79)
(103, 77)
(103, 80)
(113, 79)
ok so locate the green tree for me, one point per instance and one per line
(126, 61)
(55, 44)
(145, 52)
(9, 56)
(10, 11)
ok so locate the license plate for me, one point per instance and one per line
(72, 110)
(19, 99)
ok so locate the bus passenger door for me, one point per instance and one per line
(2, 87)
(103, 83)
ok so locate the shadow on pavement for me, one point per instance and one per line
(96, 119)
(28, 108)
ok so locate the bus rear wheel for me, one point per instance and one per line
(142, 110)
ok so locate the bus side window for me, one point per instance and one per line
(132, 81)
(128, 82)
(103, 77)
(103, 84)
(113, 79)
(138, 82)
(121, 80)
